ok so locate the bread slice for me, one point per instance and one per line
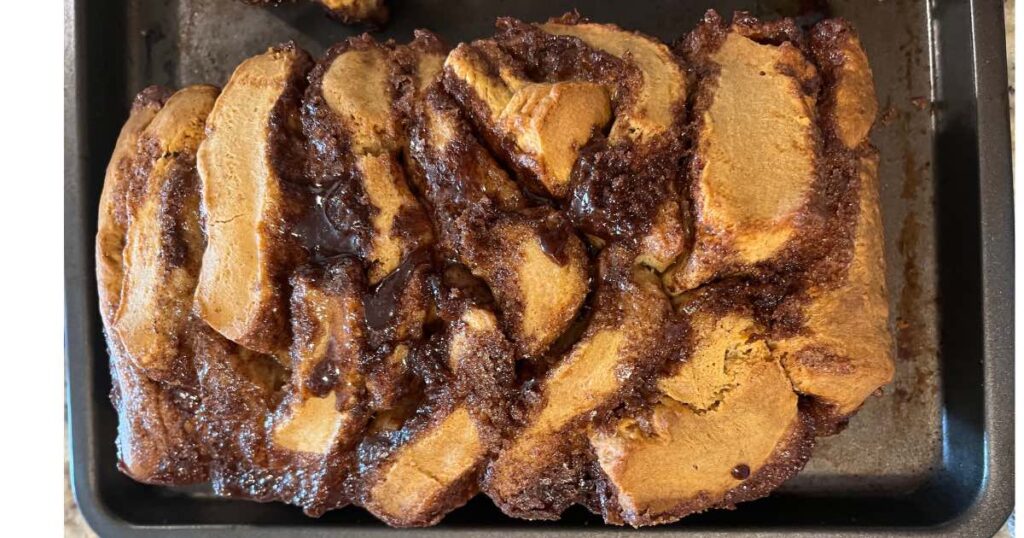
(727, 417)
(649, 119)
(164, 242)
(112, 221)
(289, 436)
(756, 159)
(537, 275)
(418, 487)
(397, 312)
(534, 265)
(839, 358)
(243, 163)
(849, 100)
(656, 103)
(156, 437)
(543, 124)
(353, 82)
(354, 129)
(313, 432)
(436, 469)
(630, 331)
(836, 358)
(329, 328)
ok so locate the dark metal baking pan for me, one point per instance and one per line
(933, 453)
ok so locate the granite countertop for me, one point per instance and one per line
(75, 526)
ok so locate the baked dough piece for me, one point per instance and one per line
(163, 243)
(755, 166)
(849, 99)
(354, 124)
(112, 221)
(397, 311)
(374, 12)
(837, 358)
(275, 436)
(586, 113)
(537, 271)
(436, 470)
(354, 130)
(533, 263)
(535, 475)
(727, 419)
(238, 389)
(840, 358)
(653, 104)
(313, 431)
(248, 155)
(147, 251)
(543, 124)
(434, 474)
(157, 440)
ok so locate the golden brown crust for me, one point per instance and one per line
(791, 453)
(415, 489)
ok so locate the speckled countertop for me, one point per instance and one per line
(76, 527)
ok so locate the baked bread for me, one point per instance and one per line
(565, 264)
(723, 407)
(148, 249)
(244, 163)
(373, 13)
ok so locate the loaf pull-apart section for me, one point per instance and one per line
(724, 411)
(245, 164)
(564, 264)
(148, 250)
